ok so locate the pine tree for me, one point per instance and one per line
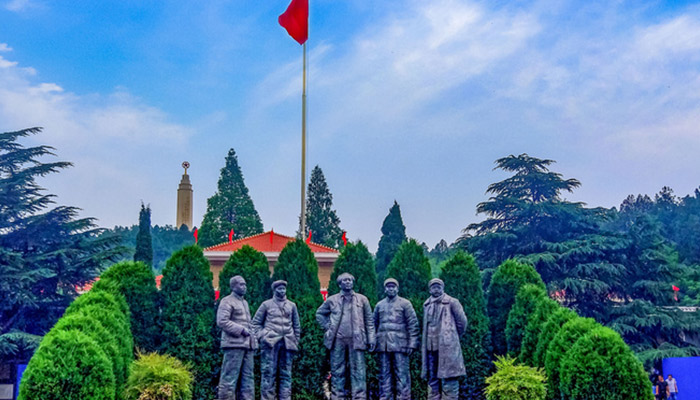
(44, 252)
(296, 265)
(356, 260)
(393, 235)
(144, 243)
(189, 318)
(229, 208)
(507, 280)
(463, 282)
(321, 218)
(252, 265)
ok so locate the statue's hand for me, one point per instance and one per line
(245, 333)
(372, 346)
(408, 351)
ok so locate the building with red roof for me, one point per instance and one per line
(270, 244)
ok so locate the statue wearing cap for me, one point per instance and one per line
(348, 323)
(276, 327)
(444, 322)
(237, 343)
(397, 337)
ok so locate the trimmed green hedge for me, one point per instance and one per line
(68, 365)
(526, 302)
(601, 366)
(543, 310)
(252, 265)
(515, 382)
(549, 331)
(159, 377)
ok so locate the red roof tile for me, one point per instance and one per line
(269, 241)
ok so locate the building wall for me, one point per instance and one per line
(325, 268)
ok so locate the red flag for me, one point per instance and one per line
(272, 233)
(675, 288)
(308, 239)
(195, 235)
(345, 239)
(296, 20)
(230, 236)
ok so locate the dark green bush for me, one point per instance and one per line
(297, 265)
(515, 382)
(356, 260)
(159, 377)
(104, 338)
(549, 330)
(569, 333)
(136, 282)
(544, 308)
(505, 283)
(68, 365)
(463, 282)
(189, 331)
(601, 366)
(252, 265)
(526, 302)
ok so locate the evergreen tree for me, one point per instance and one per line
(525, 305)
(229, 208)
(549, 330)
(144, 243)
(252, 265)
(189, 318)
(463, 282)
(411, 268)
(45, 252)
(356, 260)
(297, 265)
(505, 284)
(321, 218)
(393, 235)
(543, 309)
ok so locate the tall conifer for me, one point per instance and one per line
(229, 208)
(321, 218)
(393, 235)
(144, 242)
(356, 260)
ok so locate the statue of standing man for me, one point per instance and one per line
(237, 343)
(444, 322)
(276, 326)
(397, 337)
(348, 323)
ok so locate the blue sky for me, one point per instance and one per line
(408, 100)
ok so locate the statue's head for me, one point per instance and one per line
(279, 289)
(346, 281)
(437, 287)
(391, 288)
(238, 285)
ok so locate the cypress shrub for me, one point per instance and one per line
(601, 366)
(569, 333)
(411, 268)
(525, 305)
(159, 377)
(543, 310)
(189, 319)
(297, 265)
(515, 382)
(136, 282)
(107, 309)
(356, 260)
(549, 331)
(104, 338)
(68, 365)
(463, 282)
(252, 265)
(144, 241)
(505, 283)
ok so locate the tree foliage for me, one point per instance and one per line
(549, 330)
(189, 318)
(159, 377)
(321, 218)
(544, 308)
(229, 208)
(463, 282)
(252, 265)
(393, 235)
(505, 284)
(600, 365)
(296, 265)
(526, 301)
(144, 243)
(166, 240)
(515, 382)
(356, 260)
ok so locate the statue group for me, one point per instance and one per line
(351, 329)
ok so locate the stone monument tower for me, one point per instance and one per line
(184, 200)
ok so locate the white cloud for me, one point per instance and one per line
(4, 47)
(20, 5)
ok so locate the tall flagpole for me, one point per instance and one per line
(303, 149)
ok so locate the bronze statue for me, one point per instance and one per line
(276, 326)
(237, 343)
(397, 337)
(348, 323)
(444, 322)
